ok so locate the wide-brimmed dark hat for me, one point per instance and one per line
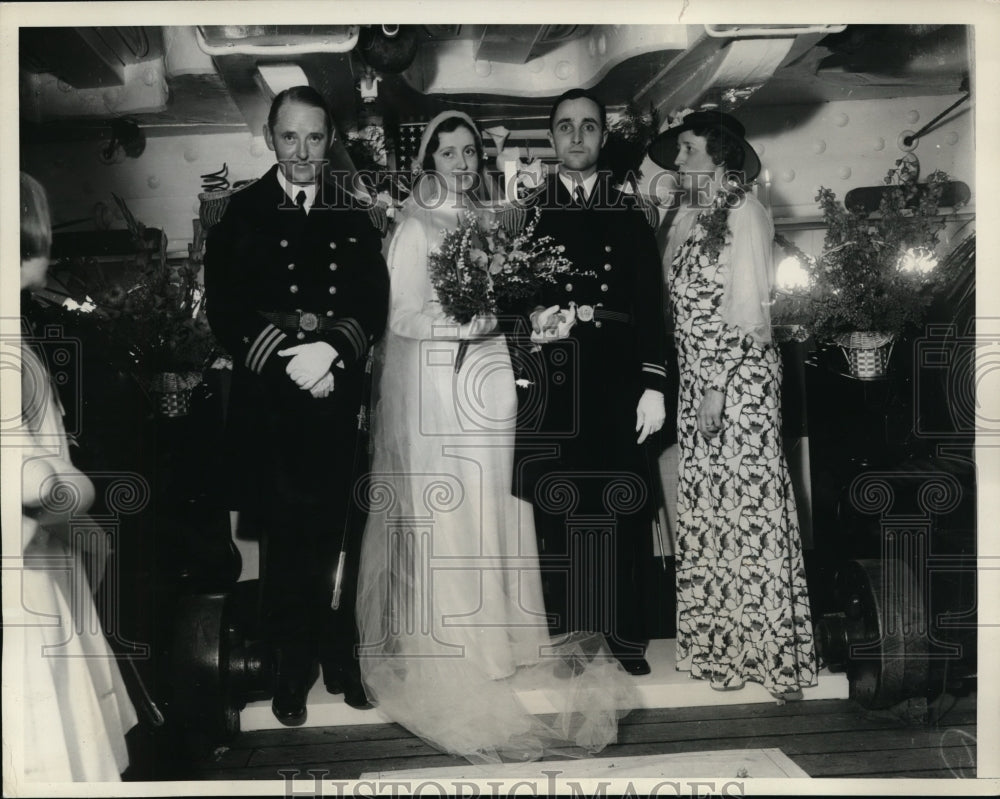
(663, 149)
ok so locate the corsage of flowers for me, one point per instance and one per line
(714, 221)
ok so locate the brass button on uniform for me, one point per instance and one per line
(333, 245)
(333, 267)
(607, 248)
(329, 313)
(333, 289)
(604, 286)
(291, 266)
(293, 288)
(607, 267)
(569, 287)
(283, 242)
(597, 324)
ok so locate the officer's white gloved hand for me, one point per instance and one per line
(552, 324)
(308, 363)
(649, 413)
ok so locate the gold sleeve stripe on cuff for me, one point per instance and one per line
(354, 334)
(265, 344)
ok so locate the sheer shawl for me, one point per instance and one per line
(749, 278)
(746, 298)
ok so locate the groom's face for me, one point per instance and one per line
(577, 135)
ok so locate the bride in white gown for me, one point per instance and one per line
(450, 611)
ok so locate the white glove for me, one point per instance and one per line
(480, 325)
(649, 413)
(309, 362)
(552, 324)
(324, 387)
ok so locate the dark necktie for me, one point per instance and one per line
(580, 197)
(300, 200)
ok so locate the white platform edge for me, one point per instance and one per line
(664, 687)
(755, 763)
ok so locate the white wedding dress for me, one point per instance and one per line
(450, 606)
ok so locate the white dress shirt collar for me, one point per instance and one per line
(292, 190)
(571, 184)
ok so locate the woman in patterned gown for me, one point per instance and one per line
(742, 602)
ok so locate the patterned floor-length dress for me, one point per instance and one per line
(742, 602)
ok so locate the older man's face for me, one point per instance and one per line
(299, 141)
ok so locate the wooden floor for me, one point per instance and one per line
(830, 738)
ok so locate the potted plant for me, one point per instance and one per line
(876, 274)
(149, 318)
(628, 141)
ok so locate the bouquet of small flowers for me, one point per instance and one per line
(481, 269)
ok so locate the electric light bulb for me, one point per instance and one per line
(791, 274)
(917, 261)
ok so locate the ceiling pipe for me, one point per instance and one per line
(235, 48)
(750, 32)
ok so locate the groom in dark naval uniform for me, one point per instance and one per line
(297, 292)
(593, 393)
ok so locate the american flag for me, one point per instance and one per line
(528, 135)
(408, 144)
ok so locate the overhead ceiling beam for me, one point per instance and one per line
(239, 72)
(457, 67)
(723, 70)
(512, 44)
(88, 58)
(335, 77)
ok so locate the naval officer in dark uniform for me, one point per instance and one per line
(297, 291)
(593, 394)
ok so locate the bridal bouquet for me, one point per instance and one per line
(481, 269)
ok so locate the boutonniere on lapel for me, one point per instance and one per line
(714, 221)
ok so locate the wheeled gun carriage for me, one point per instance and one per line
(897, 479)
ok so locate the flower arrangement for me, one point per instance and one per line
(876, 272)
(628, 140)
(530, 180)
(150, 318)
(158, 317)
(367, 148)
(481, 269)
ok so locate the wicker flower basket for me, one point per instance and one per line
(172, 391)
(867, 353)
